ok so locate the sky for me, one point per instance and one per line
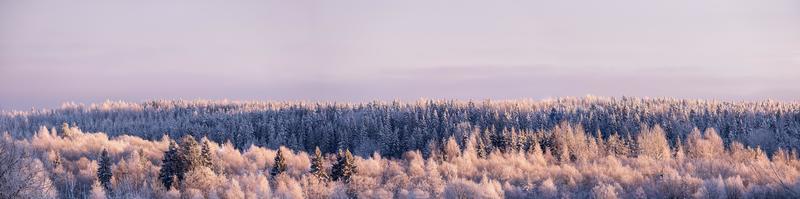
(87, 51)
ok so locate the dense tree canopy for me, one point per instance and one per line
(394, 127)
(565, 162)
(564, 148)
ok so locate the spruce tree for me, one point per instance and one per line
(345, 167)
(104, 171)
(499, 141)
(336, 169)
(480, 149)
(350, 166)
(280, 164)
(190, 155)
(205, 154)
(170, 165)
(317, 166)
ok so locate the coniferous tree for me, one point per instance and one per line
(170, 166)
(336, 169)
(481, 149)
(280, 164)
(205, 154)
(190, 155)
(344, 168)
(630, 144)
(317, 165)
(424, 121)
(498, 141)
(350, 165)
(104, 173)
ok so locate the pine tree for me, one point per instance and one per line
(345, 167)
(280, 164)
(104, 171)
(170, 166)
(317, 166)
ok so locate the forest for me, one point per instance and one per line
(393, 128)
(589, 147)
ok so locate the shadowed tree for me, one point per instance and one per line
(170, 166)
(190, 154)
(280, 163)
(317, 165)
(480, 149)
(104, 171)
(205, 154)
(344, 168)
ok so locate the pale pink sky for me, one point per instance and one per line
(53, 51)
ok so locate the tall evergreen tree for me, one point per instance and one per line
(344, 168)
(170, 165)
(205, 154)
(480, 149)
(280, 163)
(336, 168)
(104, 173)
(317, 165)
(499, 141)
(190, 155)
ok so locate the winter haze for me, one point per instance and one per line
(89, 51)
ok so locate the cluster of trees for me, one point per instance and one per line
(393, 128)
(563, 162)
(190, 157)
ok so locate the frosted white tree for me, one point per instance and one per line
(21, 174)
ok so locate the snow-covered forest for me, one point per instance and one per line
(573, 147)
(396, 127)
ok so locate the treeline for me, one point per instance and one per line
(393, 128)
(565, 162)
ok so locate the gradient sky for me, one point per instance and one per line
(54, 51)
